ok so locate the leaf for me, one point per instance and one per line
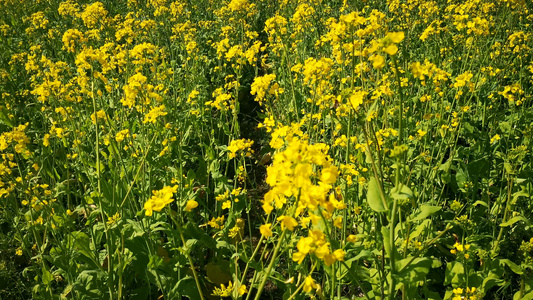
(513, 220)
(479, 202)
(508, 168)
(526, 293)
(420, 228)
(402, 193)
(414, 272)
(373, 196)
(218, 272)
(490, 281)
(137, 246)
(81, 242)
(521, 193)
(187, 287)
(425, 211)
(386, 240)
(363, 254)
(455, 274)
(4, 117)
(514, 267)
(47, 277)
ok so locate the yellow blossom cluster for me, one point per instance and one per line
(294, 174)
(263, 85)
(460, 248)
(470, 293)
(18, 138)
(315, 243)
(241, 145)
(160, 199)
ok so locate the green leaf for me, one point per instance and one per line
(455, 274)
(402, 193)
(479, 202)
(4, 117)
(508, 168)
(514, 267)
(490, 281)
(425, 211)
(82, 243)
(187, 287)
(137, 246)
(218, 272)
(513, 220)
(414, 272)
(47, 277)
(363, 254)
(527, 293)
(373, 196)
(386, 240)
(192, 230)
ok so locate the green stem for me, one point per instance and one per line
(252, 257)
(272, 261)
(189, 258)
(302, 284)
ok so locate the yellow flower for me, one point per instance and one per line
(495, 138)
(265, 230)
(329, 175)
(191, 204)
(351, 238)
(223, 291)
(339, 254)
(154, 113)
(458, 291)
(391, 49)
(217, 223)
(226, 205)
(121, 135)
(338, 222)
(288, 222)
(159, 199)
(462, 79)
(18, 251)
(309, 284)
(356, 99)
(304, 247)
(242, 290)
(378, 61)
(112, 220)
(396, 37)
(240, 145)
(99, 115)
(267, 207)
(260, 86)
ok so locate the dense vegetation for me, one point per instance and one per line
(252, 149)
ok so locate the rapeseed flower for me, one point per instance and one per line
(265, 230)
(191, 204)
(159, 199)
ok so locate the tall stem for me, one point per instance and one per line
(272, 261)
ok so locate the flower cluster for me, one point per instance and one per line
(294, 173)
(241, 145)
(460, 248)
(466, 294)
(160, 199)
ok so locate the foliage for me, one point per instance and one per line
(266, 149)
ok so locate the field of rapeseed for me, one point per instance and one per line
(247, 149)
